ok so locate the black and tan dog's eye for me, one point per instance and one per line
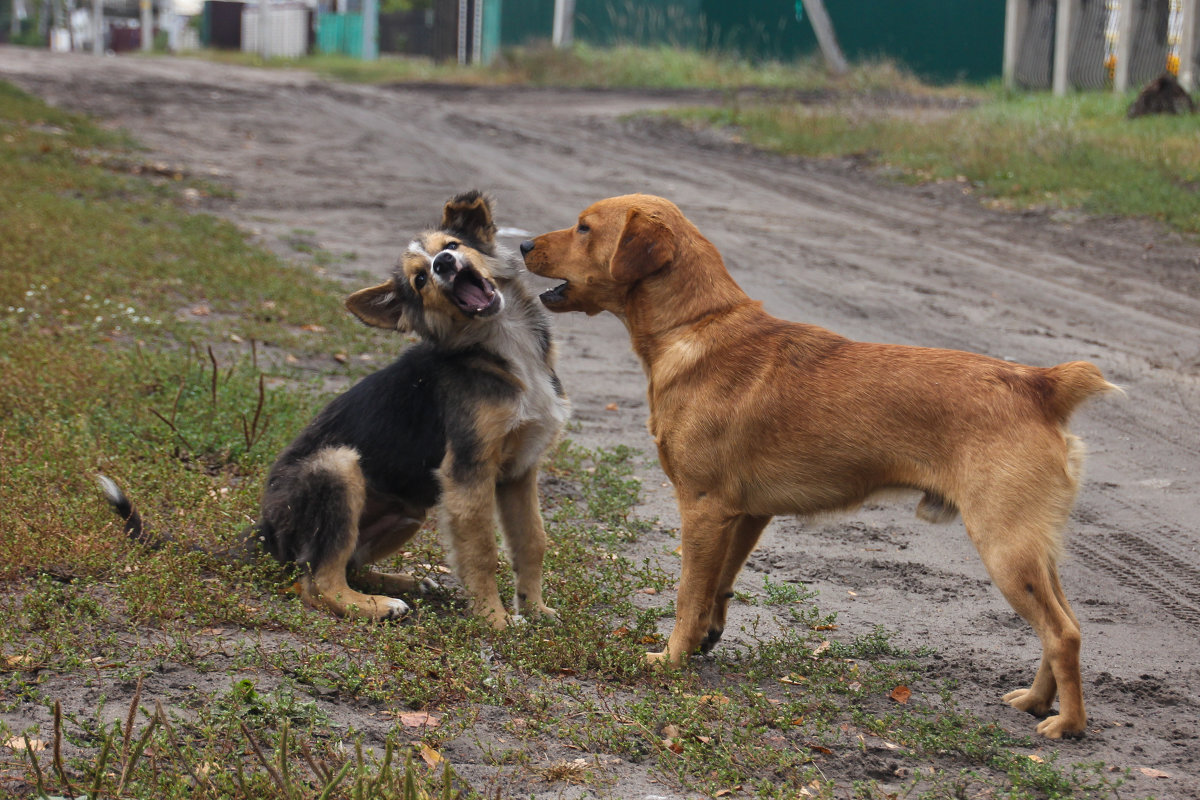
(451, 246)
(419, 280)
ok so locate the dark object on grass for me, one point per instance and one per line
(1163, 95)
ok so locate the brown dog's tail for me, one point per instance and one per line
(1074, 382)
(243, 550)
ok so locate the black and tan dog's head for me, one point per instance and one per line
(449, 279)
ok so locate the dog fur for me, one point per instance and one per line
(461, 420)
(755, 416)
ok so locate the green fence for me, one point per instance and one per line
(340, 33)
(937, 39)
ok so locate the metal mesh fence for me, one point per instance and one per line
(1094, 42)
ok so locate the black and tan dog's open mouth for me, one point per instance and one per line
(474, 294)
(556, 295)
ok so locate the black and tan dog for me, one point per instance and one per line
(754, 416)
(461, 420)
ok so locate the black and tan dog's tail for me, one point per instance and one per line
(243, 550)
(121, 504)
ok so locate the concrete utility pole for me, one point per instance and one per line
(564, 23)
(370, 30)
(1189, 38)
(1016, 13)
(462, 31)
(147, 26)
(264, 28)
(98, 27)
(1126, 10)
(823, 28)
(1064, 18)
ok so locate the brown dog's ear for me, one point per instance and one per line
(646, 245)
(379, 306)
(470, 216)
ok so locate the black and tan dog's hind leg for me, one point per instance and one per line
(319, 507)
(384, 528)
(525, 535)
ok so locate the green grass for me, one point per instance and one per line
(1014, 150)
(585, 66)
(133, 673)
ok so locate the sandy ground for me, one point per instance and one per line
(361, 167)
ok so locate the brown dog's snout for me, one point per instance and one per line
(526, 246)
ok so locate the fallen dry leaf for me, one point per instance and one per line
(18, 743)
(901, 694)
(418, 719)
(201, 310)
(430, 756)
(611, 407)
(313, 328)
(821, 648)
(670, 732)
(1153, 773)
(1035, 758)
(673, 745)
(714, 699)
(341, 358)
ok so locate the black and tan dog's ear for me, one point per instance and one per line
(380, 306)
(470, 215)
(647, 244)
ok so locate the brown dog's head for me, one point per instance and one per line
(448, 279)
(616, 244)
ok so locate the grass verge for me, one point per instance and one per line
(172, 674)
(1015, 151)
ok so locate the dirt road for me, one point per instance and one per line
(360, 167)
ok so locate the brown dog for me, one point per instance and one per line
(754, 416)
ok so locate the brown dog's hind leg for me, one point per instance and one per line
(706, 544)
(746, 533)
(525, 536)
(1028, 578)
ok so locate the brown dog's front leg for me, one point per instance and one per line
(746, 532)
(706, 539)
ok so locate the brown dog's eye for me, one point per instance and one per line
(419, 280)
(581, 228)
(451, 246)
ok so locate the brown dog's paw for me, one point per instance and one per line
(1026, 700)
(1058, 727)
